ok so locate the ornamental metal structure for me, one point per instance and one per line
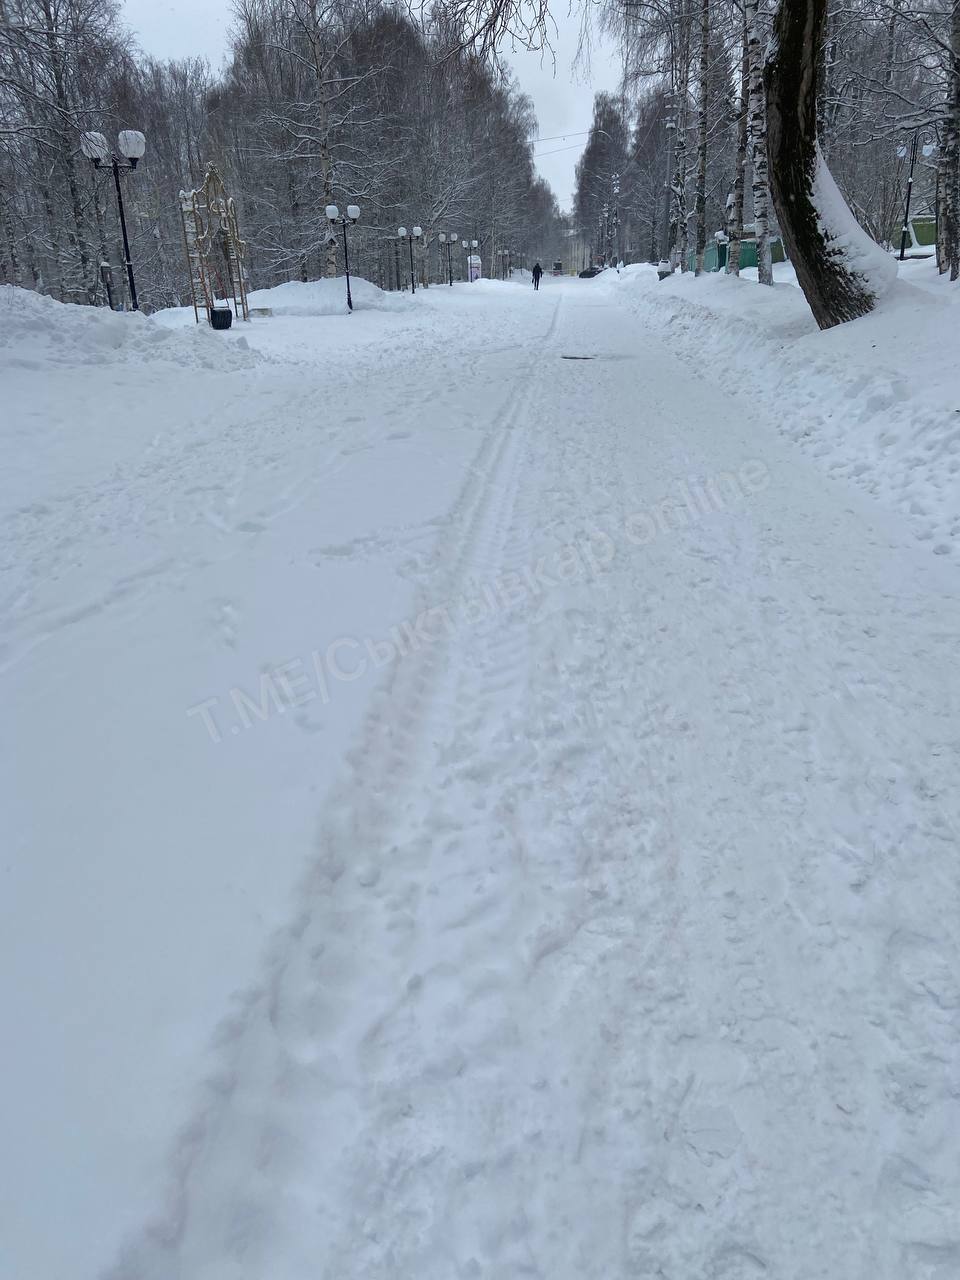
(214, 249)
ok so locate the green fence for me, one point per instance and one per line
(715, 254)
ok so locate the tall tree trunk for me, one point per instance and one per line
(76, 235)
(326, 168)
(701, 196)
(938, 204)
(950, 161)
(735, 201)
(682, 232)
(890, 57)
(12, 270)
(53, 239)
(757, 128)
(826, 82)
(839, 268)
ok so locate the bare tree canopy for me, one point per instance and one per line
(322, 101)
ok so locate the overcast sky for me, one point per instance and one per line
(181, 28)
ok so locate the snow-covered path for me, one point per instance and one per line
(628, 939)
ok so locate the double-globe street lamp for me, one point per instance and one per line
(469, 249)
(335, 220)
(131, 144)
(448, 241)
(415, 234)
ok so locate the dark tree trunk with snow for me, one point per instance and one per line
(949, 187)
(832, 256)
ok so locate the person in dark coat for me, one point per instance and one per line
(537, 273)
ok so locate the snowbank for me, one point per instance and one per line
(327, 297)
(36, 331)
(874, 400)
(845, 237)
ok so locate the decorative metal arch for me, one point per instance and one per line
(214, 249)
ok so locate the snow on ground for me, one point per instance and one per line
(877, 402)
(37, 332)
(472, 810)
(327, 298)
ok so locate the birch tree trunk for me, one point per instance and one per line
(326, 168)
(680, 165)
(735, 201)
(941, 242)
(702, 120)
(839, 268)
(757, 130)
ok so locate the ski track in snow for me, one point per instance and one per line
(629, 942)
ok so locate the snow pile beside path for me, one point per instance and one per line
(327, 298)
(874, 400)
(37, 331)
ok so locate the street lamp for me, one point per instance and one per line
(928, 149)
(447, 241)
(131, 144)
(415, 234)
(335, 220)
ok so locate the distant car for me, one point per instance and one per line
(590, 272)
(558, 268)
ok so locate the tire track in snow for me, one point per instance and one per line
(321, 985)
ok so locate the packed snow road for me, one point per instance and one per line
(551, 773)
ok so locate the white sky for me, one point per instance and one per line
(182, 28)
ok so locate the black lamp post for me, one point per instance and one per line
(131, 145)
(928, 149)
(415, 234)
(449, 240)
(335, 220)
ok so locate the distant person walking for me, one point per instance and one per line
(537, 273)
